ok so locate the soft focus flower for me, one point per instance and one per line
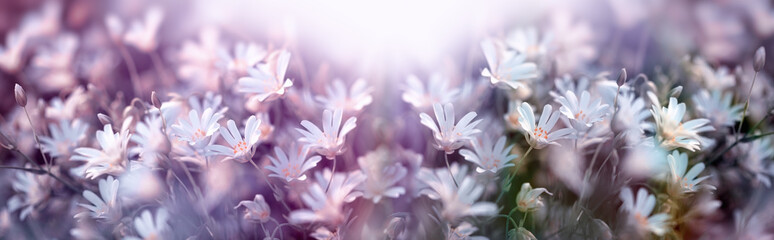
(151, 141)
(111, 158)
(582, 114)
(241, 149)
(640, 210)
(573, 40)
(717, 108)
(539, 134)
(678, 164)
(245, 56)
(506, 69)
(457, 202)
(294, 166)
(527, 41)
(327, 207)
(329, 141)
(449, 136)
(149, 227)
(104, 206)
(65, 137)
(672, 133)
(463, 232)
(32, 191)
(358, 96)
(381, 176)
(196, 60)
(753, 157)
(267, 81)
(528, 199)
(67, 109)
(719, 79)
(630, 117)
(489, 157)
(256, 210)
(421, 97)
(209, 100)
(11, 54)
(198, 129)
(142, 34)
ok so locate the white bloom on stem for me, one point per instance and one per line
(448, 136)
(256, 210)
(11, 54)
(754, 156)
(142, 34)
(457, 202)
(506, 68)
(209, 100)
(196, 60)
(527, 41)
(327, 207)
(640, 210)
(32, 191)
(354, 100)
(151, 141)
(293, 166)
(489, 157)
(67, 109)
(672, 133)
(105, 206)
(59, 56)
(64, 138)
(421, 97)
(630, 117)
(241, 149)
(528, 199)
(539, 134)
(329, 141)
(149, 227)
(198, 129)
(381, 176)
(712, 79)
(245, 56)
(111, 158)
(322, 233)
(463, 232)
(267, 81)
(717, 107)
(686, 181)
(584, 113)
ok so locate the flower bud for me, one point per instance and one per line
(155, 100)
(622, 77)
(760, 59)
(104, 119)
(395, 228)
(20, 94)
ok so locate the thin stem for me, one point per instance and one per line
(18, 152)
(446, 157)
(746, 105)
(333, 172)
(271, 186)
(521, 222)
(264, 229)
(35, 136)
(32, 170)
(130, 65)
(513, 174)
(277, 228)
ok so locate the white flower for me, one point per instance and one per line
(437, 91)
(630, 117)
(67, 109)
(463, 232)
(32, 189)
(526, 41)
(528, 199)
(488, 157)
(246, 55)
(151, 142)
(358, 96)
(322, 233)
(112, 158)
(329, 141)
(148, 227)
(209, 100)
(506, 69)
(717, 108)
(448, 136)
(241, 149)
(640, 211)
(584, 113)
(381, 175)
(142, 35)
(457, 202)
(59, 55)
(267, 81)
(294, 166)
(256, 210)
(512, 116)
(196, 60)
(539, 134)
(104, 206)
(11, 54)
(754, 156)
(719, 79)
(670, 130)
(198, 129)
(327, 207)
(64, 138)
(574, 41)
(678, 164)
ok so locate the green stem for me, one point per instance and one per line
(746, 105)
(513, 174)
(521, 223)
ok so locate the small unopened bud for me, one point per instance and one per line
(155, 100)
(760, 59)
(622, 77)
(395, 228)
(675, 92)
(104, 119)
(20, 94)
